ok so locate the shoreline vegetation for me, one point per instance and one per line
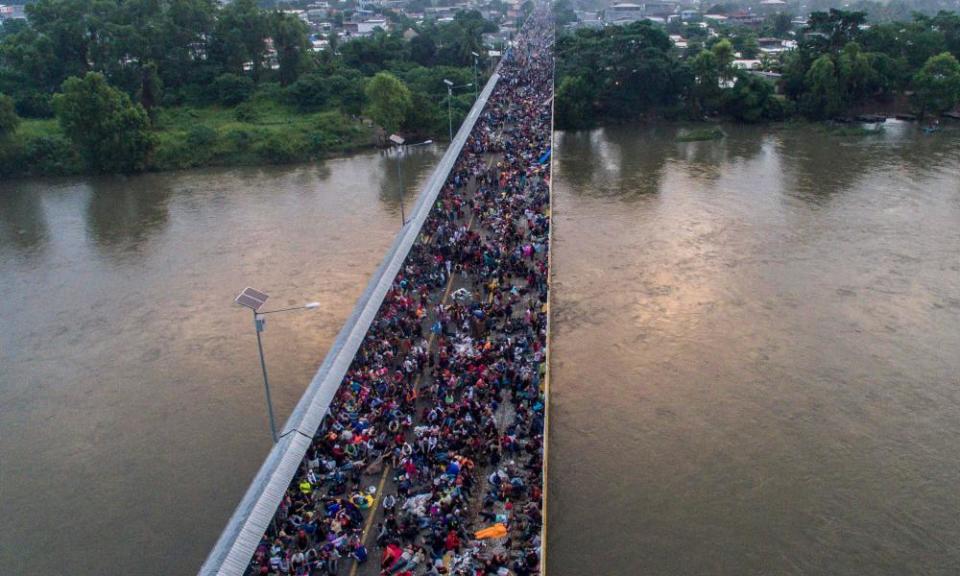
(92, 87)
(841, 65)
(200, 137)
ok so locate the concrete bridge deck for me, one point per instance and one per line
(252, 518)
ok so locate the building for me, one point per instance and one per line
(623, 13)
(367, 27)
(660, 8)
(772, 6)
(12, 12)
(745, 19)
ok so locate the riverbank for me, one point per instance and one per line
(264, 132)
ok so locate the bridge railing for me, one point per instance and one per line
(234, 549)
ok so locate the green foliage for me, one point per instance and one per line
(707, 93)
(289, 35)
(176, 57)
(232, 89)
(701, 135)
(109, 131)
(822, 97)
(627, 72)
(282, 148)
(201, 136)
(937, 85)
(247, 112)
(239, 36)
(9, 121)
(310, 91)
(723, 56)
(26, 154)
(388, 101)
(752, 100)
(574, 107)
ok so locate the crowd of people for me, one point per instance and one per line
(435, 438)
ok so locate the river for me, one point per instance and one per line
(770, 385)
(756, 347)
(132, 415)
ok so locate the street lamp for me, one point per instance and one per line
(254, 300)
(398, 141)
(450, 88)
(476, 83)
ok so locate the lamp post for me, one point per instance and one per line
(476, 83)
(450, 88)
(401, 149)
(254, 300)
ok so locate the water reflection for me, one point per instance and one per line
(123, 214)
(631, 161)
(23, 223)
(417, 162)
(130, 395)
(771, 389)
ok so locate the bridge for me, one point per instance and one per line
(433, 397)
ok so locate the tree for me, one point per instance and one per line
(723, 53)
(858, 79)
(836, 28)
(423, 49)
(388, 101)
(239, 37)
(151, 87)
(706, 89)
(780, 24)
(574, 104)
(290, 41)
(751, 100)
(8, 117)
(110, 132)
(821, 98)
(232, 89)
(937, 85)
(309, 91)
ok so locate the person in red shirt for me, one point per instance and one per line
(452, 542)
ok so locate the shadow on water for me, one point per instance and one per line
(416, 164)
(612, 162)
(23, 224)
(629, 162)
(122, 216)
(821, 163)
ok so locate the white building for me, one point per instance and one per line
(366, 28)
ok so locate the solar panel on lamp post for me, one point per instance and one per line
(254, 300)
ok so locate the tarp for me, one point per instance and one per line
(498, 530)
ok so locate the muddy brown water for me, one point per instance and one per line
(756, 347)
(132, 416)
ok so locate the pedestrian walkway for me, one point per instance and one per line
(430, 458)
